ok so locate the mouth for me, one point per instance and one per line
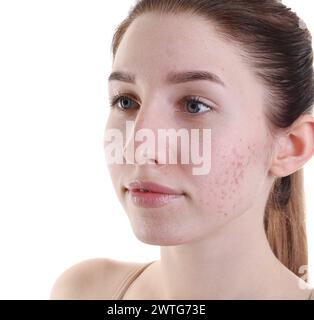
(152, 187)
(149, 194)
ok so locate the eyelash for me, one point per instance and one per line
(194, 99)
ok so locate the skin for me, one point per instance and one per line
(213, 236)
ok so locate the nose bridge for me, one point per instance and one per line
(151, 115)
(151, 118)
(145, 118)
(147, 121)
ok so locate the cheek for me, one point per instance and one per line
(231, 179)
(115, 175)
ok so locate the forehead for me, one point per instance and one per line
(156, 43)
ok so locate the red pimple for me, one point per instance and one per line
(239, 164)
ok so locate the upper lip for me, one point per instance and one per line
(152, 187)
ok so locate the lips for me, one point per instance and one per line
(147, 194)
(149, 186)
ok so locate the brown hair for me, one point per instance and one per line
(278, 48)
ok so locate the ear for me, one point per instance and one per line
(294, 147)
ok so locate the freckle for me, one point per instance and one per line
(236, 181)
(225, 214)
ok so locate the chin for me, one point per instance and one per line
(159, 241)
(159, 237)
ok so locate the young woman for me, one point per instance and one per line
(244, 70)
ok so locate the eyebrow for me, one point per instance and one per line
(172, 77)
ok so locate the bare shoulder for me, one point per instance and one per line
(92, 279)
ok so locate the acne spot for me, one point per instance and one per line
(238, 164)
(252, 149)
(232, 175)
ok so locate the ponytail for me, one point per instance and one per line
(284, 221)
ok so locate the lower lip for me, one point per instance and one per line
(151, 199)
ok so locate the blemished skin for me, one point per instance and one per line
(212, 240)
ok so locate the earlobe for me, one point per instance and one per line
(294, 147)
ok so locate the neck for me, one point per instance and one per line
(236, 262)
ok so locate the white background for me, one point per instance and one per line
(56, 199)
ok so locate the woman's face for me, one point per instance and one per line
(238, 179)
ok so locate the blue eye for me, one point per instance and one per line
(124, 102)
(193, 105)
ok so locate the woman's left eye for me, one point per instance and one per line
(195, 105)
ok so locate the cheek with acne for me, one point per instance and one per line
(227, 181)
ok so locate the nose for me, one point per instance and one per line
(141, 145)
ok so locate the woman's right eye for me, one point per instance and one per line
(122, 101)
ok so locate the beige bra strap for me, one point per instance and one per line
(127, 281)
